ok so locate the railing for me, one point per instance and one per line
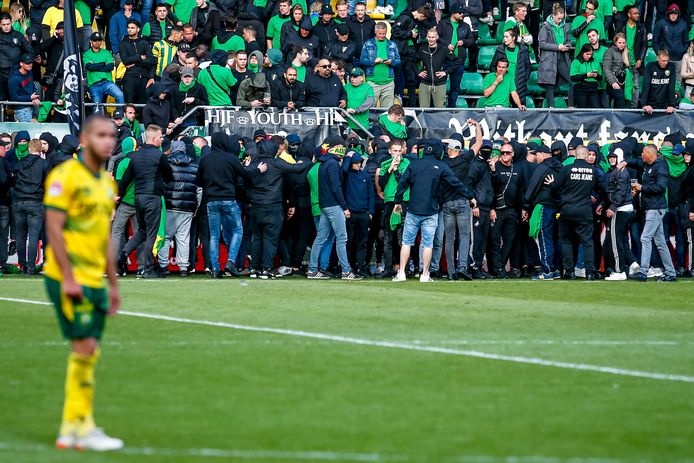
(98, 106)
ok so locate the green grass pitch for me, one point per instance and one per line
(481, 372)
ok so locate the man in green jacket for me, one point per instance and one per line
(99, 65)
(217, 80)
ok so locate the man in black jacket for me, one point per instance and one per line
(575, 183)
(361, 26)
(324, 88)
(639, 47)
(218, 175)
(652, 189)
(424, 176)
(12, 46)
(150, 170)
(342, 46)
(287, 92)
(659, 81)
(27, 206)
(457, 45)
(136, 55)
(5, 180)
(325, 28)
(480, 180)
(267, 212)
(182, 197)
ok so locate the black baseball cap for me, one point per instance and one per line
(96, 36)
(118, 114)
(26, 58)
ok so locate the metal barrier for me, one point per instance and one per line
(4, 104)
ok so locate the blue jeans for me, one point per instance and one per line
(226, 214)
(438, 247)
(653, 233)
(548, 242)
(331, 219)
(413, 223)
(105, 88)
(672, 217)
(23, 113)
(456, 214)
(454, 92)
(324, 259)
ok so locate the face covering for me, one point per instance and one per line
(485, 154)
(21, 150)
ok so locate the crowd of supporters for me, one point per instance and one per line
(179, 54)
(498, 209)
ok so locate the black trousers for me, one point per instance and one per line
(266, 222)
(375, 237)
(134, 89)
(503, 237)
(618, 255)
(391, 238)
(148, 212)
(357, 236)
(572, 231)
(617, 97)
(586, 97)
(479, 233)
(302, 232)
(200, 229)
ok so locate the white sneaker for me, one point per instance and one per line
(655, 272)
(616, 276)
(650, 37)
(634, 268)
(426, 279)
(98, 441)
(400, 276)
(580, 272)
(284, 271)
(66, 441)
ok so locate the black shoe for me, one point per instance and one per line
(266, 275)
(590, 276)
(216, 275)
(12, 248)
(464, 274)
(478, 274)
(164, 271)
(679, 272)
(666, 279)
(453, 277)
(639, 277)
(568, 275)
(327, 273)
(514, 273)
(122, 264)
(437, 274)
(502, 274)
(232, 271)
(184, 273)
(152, 275)
(32, 271)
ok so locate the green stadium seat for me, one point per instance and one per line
(529, 102)
(559, 102)
(480, 102)
(472, 84)
(500, 32)
(484, 35)
(562, 90)
(484, 58)
(533, 86)
(650, 56)
(461, 102)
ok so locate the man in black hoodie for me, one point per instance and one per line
(218, 175)
(288, 93)
(267, 212)
(324, 88)
(150, 170)
(480, 180)
(28, 208)
(158, 110)
(540, 204)
(424, 176)
(4, 206)
(575, 183)
(136, 55)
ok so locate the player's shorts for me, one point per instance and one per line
(79, 319)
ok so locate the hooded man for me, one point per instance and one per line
(218, 80)
(479, 178)
(254, 92)
(158, 110)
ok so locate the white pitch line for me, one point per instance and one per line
(300, 455)
(404, 346)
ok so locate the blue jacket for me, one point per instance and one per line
(370, 52)
(330, 183)
(424, 177)
(20, 87)
(671, 36)
(653, 182)
(358, 186)
(118, 29)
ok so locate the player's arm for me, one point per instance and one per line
(55, 223)
(114, 293)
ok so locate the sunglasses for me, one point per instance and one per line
(325, 66)
(507, 152)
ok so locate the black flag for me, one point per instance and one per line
(72, 71)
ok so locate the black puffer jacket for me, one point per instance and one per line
(266, 189)
(66, 151)
(182, 193)
(522, 68)
(30, 178)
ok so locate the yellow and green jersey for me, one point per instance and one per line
(87, 201)
(165, 52)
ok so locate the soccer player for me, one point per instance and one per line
(79, 200)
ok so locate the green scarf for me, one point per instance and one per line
(605, 163)
(398, 130)
(535, 222)
(198, 151)
(161, 231)
(254, 68)
(183, 88)
(675, 164)
(21, 150)
(395, 220)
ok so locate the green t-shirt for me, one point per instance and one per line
(392, 184)
(381, 74)
(502, 92)
(300, 73)
(182, 9)
(604, 8)
(579, 68)
(85, 12)
(454, 36)
(235, 43)
(512, 22)
(356, 96)
(621, 4)
(312, 179)
(512, 56)
(217, 96)
(598, 56)
(631, 36)
(101, 56)
(274, 29)
(596, 24)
